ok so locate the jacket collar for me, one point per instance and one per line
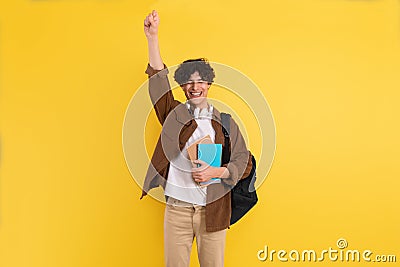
(216, 115)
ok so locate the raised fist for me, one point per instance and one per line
(151, 24)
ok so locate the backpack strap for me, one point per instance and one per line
(226, 123)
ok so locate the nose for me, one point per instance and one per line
(196, 85)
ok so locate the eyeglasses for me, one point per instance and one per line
(190, 82)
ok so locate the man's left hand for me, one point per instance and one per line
(203, 172)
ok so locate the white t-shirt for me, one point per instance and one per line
(180, 184)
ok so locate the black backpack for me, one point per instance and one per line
(243, 194)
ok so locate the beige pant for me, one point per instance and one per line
(182, 222)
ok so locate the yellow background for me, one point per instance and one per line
(328, 68)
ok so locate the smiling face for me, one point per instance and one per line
(196, 90)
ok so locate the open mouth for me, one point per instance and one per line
(195, 94)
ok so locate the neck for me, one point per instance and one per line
(201, 105)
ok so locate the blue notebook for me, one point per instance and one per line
(211, 154)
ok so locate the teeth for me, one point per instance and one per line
(196, 94)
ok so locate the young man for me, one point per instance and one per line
(192, 210)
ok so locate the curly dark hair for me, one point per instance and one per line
(190, 66)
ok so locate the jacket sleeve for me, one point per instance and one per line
(160, 92)
(240, 163)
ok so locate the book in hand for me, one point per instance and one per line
(210, 154)
(192, 149)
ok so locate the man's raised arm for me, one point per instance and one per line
(159, 87)
(151, 31)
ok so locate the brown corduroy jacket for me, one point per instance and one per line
(178, 126)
